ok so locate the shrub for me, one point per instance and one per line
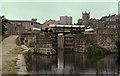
(17, 41)
(96, 53)
(28, 58)
(53, 51)
(97, 50)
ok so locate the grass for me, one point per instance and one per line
(96, 53)
(2, 37)
(28, 58)
(97, 50)
(17, 50)
(12, 67)
(17, 41)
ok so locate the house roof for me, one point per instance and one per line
(20, 20)
(23, 21)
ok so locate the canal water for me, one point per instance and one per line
(75, 63)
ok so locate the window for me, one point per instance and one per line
(18, 25)
(31, 23)
(26, 40)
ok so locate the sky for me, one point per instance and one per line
(53, 10)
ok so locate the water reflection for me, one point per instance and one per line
(74, 63)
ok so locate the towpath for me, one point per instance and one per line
(8, 55)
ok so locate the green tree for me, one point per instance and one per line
(79, 22)
(5, 22)
(89, 23)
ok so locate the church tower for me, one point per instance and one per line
(85, 18)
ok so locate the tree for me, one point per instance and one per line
(79, 22)
(5, 22)
(89, 24)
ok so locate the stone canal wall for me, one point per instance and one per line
(107, 41)
(80, 42)
(44, 51)
(72, 42)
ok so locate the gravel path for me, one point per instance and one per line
(21, 65)
(8, 45)
(12, 57)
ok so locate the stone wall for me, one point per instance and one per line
(108, 41)
(28, 39)
(60, 44)
(77, 42)
(82, 41)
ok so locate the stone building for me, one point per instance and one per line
(28, 39)
(47, 23)
(69, 20)
(110, 18)
(20, 26)
(65, 20)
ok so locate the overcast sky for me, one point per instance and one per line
(53, 10)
